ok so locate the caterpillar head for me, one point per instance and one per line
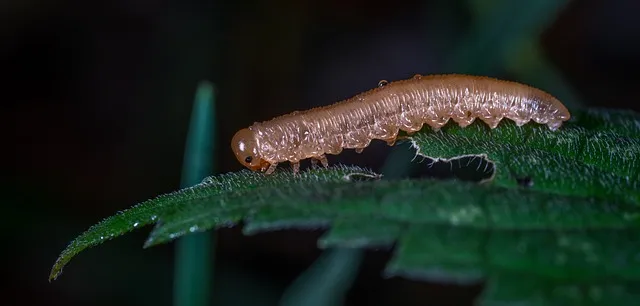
(245, 148)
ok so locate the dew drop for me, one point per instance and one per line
(101, 237)
(208, 180)
(383, 83)
(136, 224)
(193, 228)
(153, 218)
(417, 76)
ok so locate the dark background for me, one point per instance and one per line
(97, 98)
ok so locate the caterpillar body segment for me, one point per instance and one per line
(382, 112)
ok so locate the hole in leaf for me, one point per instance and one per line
(467, 168)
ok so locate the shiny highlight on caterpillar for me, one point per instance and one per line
(382, 112)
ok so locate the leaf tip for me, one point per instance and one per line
(159, 236)
(56, 270)
(149, 243)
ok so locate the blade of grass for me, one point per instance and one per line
(327, 281)
(195, 252)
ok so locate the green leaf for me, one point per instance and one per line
(557, 223)
(595, 154)
(178, 211)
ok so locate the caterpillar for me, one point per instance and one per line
(382, 112)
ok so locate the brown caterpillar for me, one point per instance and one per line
(381, 112)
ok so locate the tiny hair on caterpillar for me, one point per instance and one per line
(382, 112)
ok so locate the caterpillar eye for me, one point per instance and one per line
(248, 159)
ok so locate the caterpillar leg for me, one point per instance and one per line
(492, 121)
(391, 142)
(359, 150)
(296, 168)
(323, 160)
(554, 125)
(272, 168)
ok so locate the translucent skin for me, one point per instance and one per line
(402, 105)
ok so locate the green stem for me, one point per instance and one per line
(327, 281)
(195, 252)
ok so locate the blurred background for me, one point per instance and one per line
(98, 98)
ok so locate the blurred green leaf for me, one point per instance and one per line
(557, 224)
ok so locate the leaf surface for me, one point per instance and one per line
(212, 190)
